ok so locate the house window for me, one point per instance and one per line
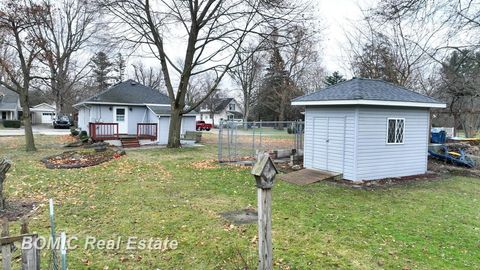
(4, 115)
(120, 115)
(231, 107)
(395, 130)
(230, 117)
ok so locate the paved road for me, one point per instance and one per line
(37, 129)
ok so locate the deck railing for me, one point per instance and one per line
(147, 131)
(103, 131)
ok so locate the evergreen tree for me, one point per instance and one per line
(276, 91)
(120, 64)
(335, 78)
(101, 67)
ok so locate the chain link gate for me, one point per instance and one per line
(240, 141)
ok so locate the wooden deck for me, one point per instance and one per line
(307, 176)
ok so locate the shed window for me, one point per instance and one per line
(395, 130)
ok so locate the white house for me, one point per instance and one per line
(129, 113)
(218, 109)
(43, 113)
(367, 129)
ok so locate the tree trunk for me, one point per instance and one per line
(212, 116)
(175, 126)
(27, 122)
(4, 167)
(245, 114)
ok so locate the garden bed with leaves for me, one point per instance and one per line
(80, 159)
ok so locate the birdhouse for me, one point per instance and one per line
(264, 172)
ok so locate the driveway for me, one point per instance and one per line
(37, 130)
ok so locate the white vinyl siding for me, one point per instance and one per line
(367, 155)
(318, 160)
(377, 159)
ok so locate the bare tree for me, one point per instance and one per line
(64, 29)
(148, 76)
(246, 74)
(213, 31)
(301, 53)
(387, 50)
(20, 51)
(460, 87)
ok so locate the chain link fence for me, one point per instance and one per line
(240, 141)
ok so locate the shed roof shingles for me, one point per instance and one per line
(367, 89)
(130, 92)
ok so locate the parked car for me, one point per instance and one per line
(201, 125)
(62, 122)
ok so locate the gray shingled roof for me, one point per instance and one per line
(130, 92)
(366, 89)
(221, 104)
(162, 110)
(8, 99)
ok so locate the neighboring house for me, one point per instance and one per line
(217, 109)
(129, 113)
(367, 129)
(9, 104)
(43, 113)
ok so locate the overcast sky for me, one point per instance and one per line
(336, 17)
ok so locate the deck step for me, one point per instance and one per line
(130, 142)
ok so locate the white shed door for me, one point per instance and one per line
(329, 143)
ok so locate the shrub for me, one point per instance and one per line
(84, 136)
(74, 132)
(289, 130)
(12, 123)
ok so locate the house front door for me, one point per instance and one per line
(120, 116)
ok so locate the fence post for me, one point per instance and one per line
(63, 250)
(235, 158)
(253, 141)
(260, 131)
(30, 256)
(52, 234)
(264, 172)
(220, 141)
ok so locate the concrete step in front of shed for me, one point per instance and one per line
(308, 176)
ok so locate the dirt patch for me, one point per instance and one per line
(245, 216)
(437, 170)
(388, 182)
(80, 159)
(17, 209)
(446, 169)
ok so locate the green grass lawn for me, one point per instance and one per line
(169, 193)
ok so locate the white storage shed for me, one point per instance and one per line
(367, 129)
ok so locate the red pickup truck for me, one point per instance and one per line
(201, 125)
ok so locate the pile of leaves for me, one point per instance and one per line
(77, 159)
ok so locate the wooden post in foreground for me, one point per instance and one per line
(6, 249)
(264, 172)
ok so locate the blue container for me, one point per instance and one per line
(438, 137)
